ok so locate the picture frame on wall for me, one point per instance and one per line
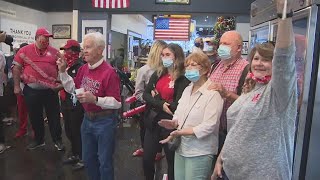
(93, 29)
(245, 48)
(61, 31)
(182, 2)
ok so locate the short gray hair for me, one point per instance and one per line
(97, 37)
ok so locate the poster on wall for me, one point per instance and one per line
(20, 31)
(95, 26)
(93, 30)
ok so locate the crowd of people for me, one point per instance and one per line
(214, 114)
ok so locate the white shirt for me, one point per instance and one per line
(203, 118)
(103, 102)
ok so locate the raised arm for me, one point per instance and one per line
(284, 81)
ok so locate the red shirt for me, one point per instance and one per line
(46, 62)
(164, 87)
(102, 81)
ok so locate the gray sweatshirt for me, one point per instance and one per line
(143, 76)
(260, 142)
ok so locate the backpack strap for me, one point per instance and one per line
(242, 79)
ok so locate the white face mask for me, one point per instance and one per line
(224, 52)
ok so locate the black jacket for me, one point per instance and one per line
(72, 71)
(156, 102)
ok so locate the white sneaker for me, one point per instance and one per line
(2, 148)
(7, 119)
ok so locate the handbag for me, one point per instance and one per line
(174, 143)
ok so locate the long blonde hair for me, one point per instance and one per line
(266, 51)
(178, 66)
(154, 58)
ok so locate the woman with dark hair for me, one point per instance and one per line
(162, 94)
(260, 142)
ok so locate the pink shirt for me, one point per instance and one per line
(102, 81)
(46, 62)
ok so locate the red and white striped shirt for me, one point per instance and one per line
(229, 77)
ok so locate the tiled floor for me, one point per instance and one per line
(45, 164)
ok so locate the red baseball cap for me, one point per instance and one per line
(73, 44)
(44, 32)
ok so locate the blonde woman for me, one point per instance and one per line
(143, 76)
(162, 95)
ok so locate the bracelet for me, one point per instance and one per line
(290, 14)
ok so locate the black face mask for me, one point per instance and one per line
(197, 44)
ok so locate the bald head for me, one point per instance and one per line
(234, 35)
(232, 39)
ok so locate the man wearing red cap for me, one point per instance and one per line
(35, 66)
(72, 110)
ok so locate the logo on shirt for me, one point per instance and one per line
(90, 85)
(256, 98)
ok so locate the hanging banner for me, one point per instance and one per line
(20, 31)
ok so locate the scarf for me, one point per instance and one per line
(264, 80)
(47, 82)
(71, 58)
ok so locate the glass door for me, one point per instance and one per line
(259, 34)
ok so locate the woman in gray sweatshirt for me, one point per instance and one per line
(260, 142)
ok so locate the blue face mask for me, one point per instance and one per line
(224, 52)
(209, 48)
(167, 62)
(193, 75)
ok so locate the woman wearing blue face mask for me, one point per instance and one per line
(162, 94)
(197, 122)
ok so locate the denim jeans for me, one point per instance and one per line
(192, 168)
(98, 141)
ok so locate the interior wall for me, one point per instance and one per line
(133, 22)
(58, 18)
(27, 19)
(24, 19)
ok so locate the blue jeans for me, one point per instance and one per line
(98, 141)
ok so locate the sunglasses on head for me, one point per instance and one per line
(270, 42)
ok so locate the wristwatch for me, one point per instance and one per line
(96, 99)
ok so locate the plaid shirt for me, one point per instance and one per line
(229, 77)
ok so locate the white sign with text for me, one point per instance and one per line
(20, 31)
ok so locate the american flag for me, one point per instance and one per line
(172, 29)
(110, 4)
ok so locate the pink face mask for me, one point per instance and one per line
(44, 44)
(71, 57)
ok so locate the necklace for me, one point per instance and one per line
(40, 55)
